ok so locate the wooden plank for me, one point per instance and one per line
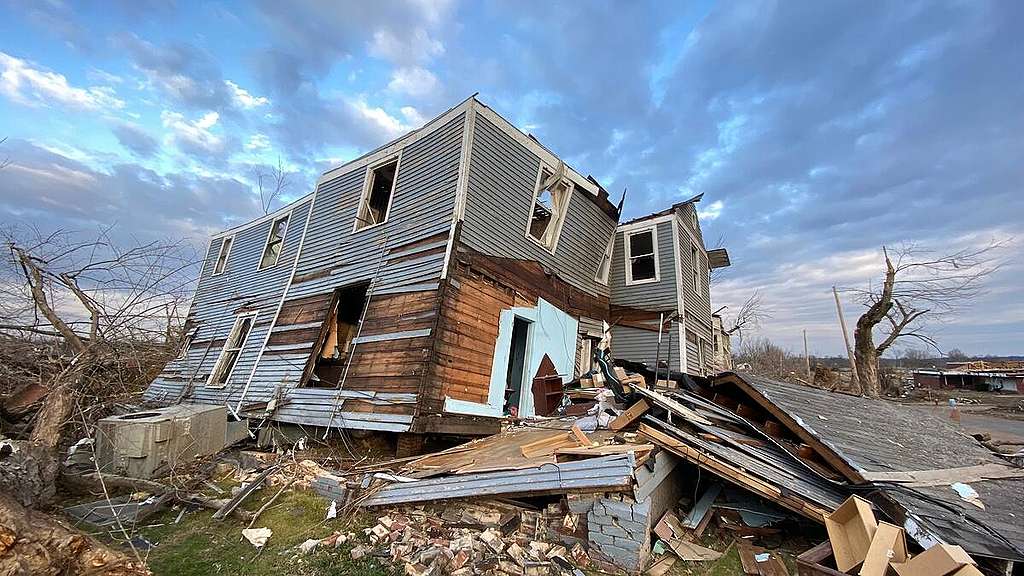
(603, 450)
(546, 445)
(941, 477)
(580, 436)
(629, 416)
(672, 406)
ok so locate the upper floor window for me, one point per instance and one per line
(378, 190)
(642, 250)
(222, 256)
(275, 241)
(606, 261)
(231, 351)
(550, 203)
(693, 217)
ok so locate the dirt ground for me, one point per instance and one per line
(999, 415)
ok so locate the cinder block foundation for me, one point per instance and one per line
(619, 527)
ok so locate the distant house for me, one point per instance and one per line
(978, 375)
(722, 344)
(435, 284)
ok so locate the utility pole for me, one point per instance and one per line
(846, 337)
(807, 358)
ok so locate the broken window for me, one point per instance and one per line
(606, 261)
(275, 241)
(186, 343)
(549, 207)
(222, 256)
(695, 260)
(377, 193)
(231, 351)
(643, 261)
(337, 336)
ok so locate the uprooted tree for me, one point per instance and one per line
(919, 289)
(91, 322)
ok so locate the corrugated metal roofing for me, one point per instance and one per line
(607, 472)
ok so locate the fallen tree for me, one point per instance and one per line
(35, 543)
(89, 321)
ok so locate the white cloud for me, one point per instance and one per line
(412, 116)
(711, 211)
(258, 142)
(413, 81)
(379, 119)
(243, 98)
(417, 47)
(195, 134)
(30, 86)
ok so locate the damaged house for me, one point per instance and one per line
(457, 274)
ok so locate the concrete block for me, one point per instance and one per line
(580, 504)
(594, 517)
(614, 531)
(601, 540)
(613, 508)
(628, 544)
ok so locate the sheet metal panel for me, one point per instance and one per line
(608, 472)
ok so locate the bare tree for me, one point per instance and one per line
(750, 315)
(271, 184)
(919, 288)
(102, 313)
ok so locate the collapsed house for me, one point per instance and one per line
(978, 375)
(455, 275)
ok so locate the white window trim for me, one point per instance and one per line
(223, 350)
(226, 256)
(628, 259)
(604, 271)
(560, 221)
(365, 195)
(284, 237)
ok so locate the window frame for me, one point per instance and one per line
(560, 220)
(266, 243)
(628, 256)
(186, 344)
(230, 241)
(225, 350)
(604, 269)
(364, 196)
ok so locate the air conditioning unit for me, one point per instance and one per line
(151, 443)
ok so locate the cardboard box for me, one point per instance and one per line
(850, 530)
(889, 544)
(939, 560)
(968, 570)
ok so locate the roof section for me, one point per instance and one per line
(873, 436)
(597, 193)
(667, 211)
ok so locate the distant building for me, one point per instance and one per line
(722, 343)
(975, 375)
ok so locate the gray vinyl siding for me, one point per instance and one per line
(639, 345)
(696, 303)
(660, 295)
(422, 206)
(216, 305)
(502, 178)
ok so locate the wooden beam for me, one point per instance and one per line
(629, 416)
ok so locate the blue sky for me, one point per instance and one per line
(818, 131)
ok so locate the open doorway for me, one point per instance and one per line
(334, 346)
(516, 365)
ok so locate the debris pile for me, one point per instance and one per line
(860, 544)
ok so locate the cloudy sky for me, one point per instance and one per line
(818, 131)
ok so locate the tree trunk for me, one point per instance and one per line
(866, 358)
(51, 418)
(35, 543)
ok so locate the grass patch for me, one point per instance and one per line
(200, 545)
